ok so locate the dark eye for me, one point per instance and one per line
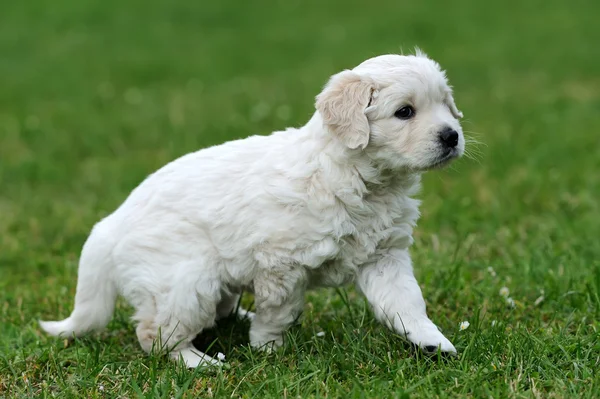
(405, 112)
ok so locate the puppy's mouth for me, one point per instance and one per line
(448, 155)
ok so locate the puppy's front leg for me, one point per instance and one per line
(394, 294)
(279, 299)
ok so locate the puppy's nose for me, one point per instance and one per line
(449, 137)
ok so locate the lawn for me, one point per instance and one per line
(95, 95)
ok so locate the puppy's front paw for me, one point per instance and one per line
(426, 336)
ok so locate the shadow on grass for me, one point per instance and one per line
(228, 333)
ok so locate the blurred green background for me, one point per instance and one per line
(95, 95)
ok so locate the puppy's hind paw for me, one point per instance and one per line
(193, 358)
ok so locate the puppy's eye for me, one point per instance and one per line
(405, 112)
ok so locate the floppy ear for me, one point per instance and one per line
(455, 112)
(342, 105)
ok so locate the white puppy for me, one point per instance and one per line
(323, 205)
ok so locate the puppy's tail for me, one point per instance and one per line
(96, 291)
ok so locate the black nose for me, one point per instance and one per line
(449, 137)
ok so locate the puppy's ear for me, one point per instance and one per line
(452, 105)
(342, 106)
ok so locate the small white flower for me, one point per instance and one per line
(221, 356)
(491, 271)
(510, 302)
(320, 334)
(539, 300)
(504, 292)
(464, 325)
(494, 322)
(101, 388)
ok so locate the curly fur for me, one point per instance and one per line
(327, 204)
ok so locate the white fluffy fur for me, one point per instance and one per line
(327, 204)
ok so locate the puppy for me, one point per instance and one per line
(325, 205)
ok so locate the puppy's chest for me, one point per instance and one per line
(379, 225)
(367, 229)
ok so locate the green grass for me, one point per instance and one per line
(94, 95)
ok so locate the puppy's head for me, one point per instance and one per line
(398, 109)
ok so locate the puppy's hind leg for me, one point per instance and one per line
(182, 313)
(279, 298)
